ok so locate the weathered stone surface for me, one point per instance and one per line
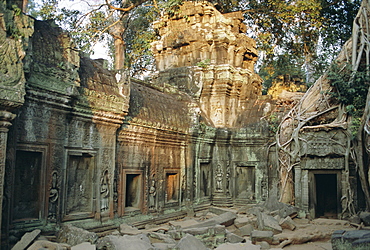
(26, 240)
(241, 221)
(356, 239)
(225, 219)
(365, 218)
(44, 244)
(84, 246)
(238, 246)
(267, 222)
(233, 238)
(129, 230)
(246, 230)
(73, 235)
(164, 246)
(258, 236)
(189, 242)
(184, 223)
(287, 223)
(129, 242)
(163, 237)
(264, 245)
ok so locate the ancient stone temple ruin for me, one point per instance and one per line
(79, 146)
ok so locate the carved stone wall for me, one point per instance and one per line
(99, 148)
(67, 130)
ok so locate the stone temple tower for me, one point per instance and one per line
(208, 55)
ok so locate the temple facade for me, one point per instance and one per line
(81, 145)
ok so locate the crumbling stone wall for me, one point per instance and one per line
(103, 150)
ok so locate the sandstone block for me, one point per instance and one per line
(226, 219)
(163, 246)
(238, 246)
(241, 221)
(127, 242)
(287, 223)
(45, 244)
(267, 222)
(26, 240)
(129, 230)
(365, 218)
(189, 242)
(259, 236)
(84, 246)
(246, 230)
(233, 238)
(73, 235)
(355, 239)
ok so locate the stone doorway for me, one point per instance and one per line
(172, 187)
(326, 195)
(80, 185)
(133, 192)
(205, 181)
(27, 194)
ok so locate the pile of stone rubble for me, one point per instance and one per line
(254, 227)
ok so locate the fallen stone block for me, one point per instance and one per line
(264, 245)
(226, 219)
(197, 231)
(45, 244)
(176, 234)
(84, 246)
(189, 242)
(164, 246)
(129, 230)
(162, 237)
(73, 235)
(246, 230)
(184, 223)
(287, 223)
(365, 218)
(233, 238)
(238, 246)
(354, 240)
(267, 222)
(26, 240)
(241, 221)
(259, 236)
(127, 242)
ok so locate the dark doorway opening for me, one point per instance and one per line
(27, 186)
(205, 180)
(133, 191)
(326, 195)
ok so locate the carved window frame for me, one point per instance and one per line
(94, 186)
(43, 204)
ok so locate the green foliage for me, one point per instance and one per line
(204, 64)
(310, 31)
(351, 89)
(273, 123)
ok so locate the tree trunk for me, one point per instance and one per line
(119, 53)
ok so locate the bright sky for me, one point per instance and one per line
(100, 51)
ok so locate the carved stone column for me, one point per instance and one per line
(5, 122)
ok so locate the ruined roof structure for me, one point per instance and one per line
(82, 149)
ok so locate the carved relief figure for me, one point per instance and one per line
(219, 176)
(53, 196)
(152, 195)
(104, 192)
